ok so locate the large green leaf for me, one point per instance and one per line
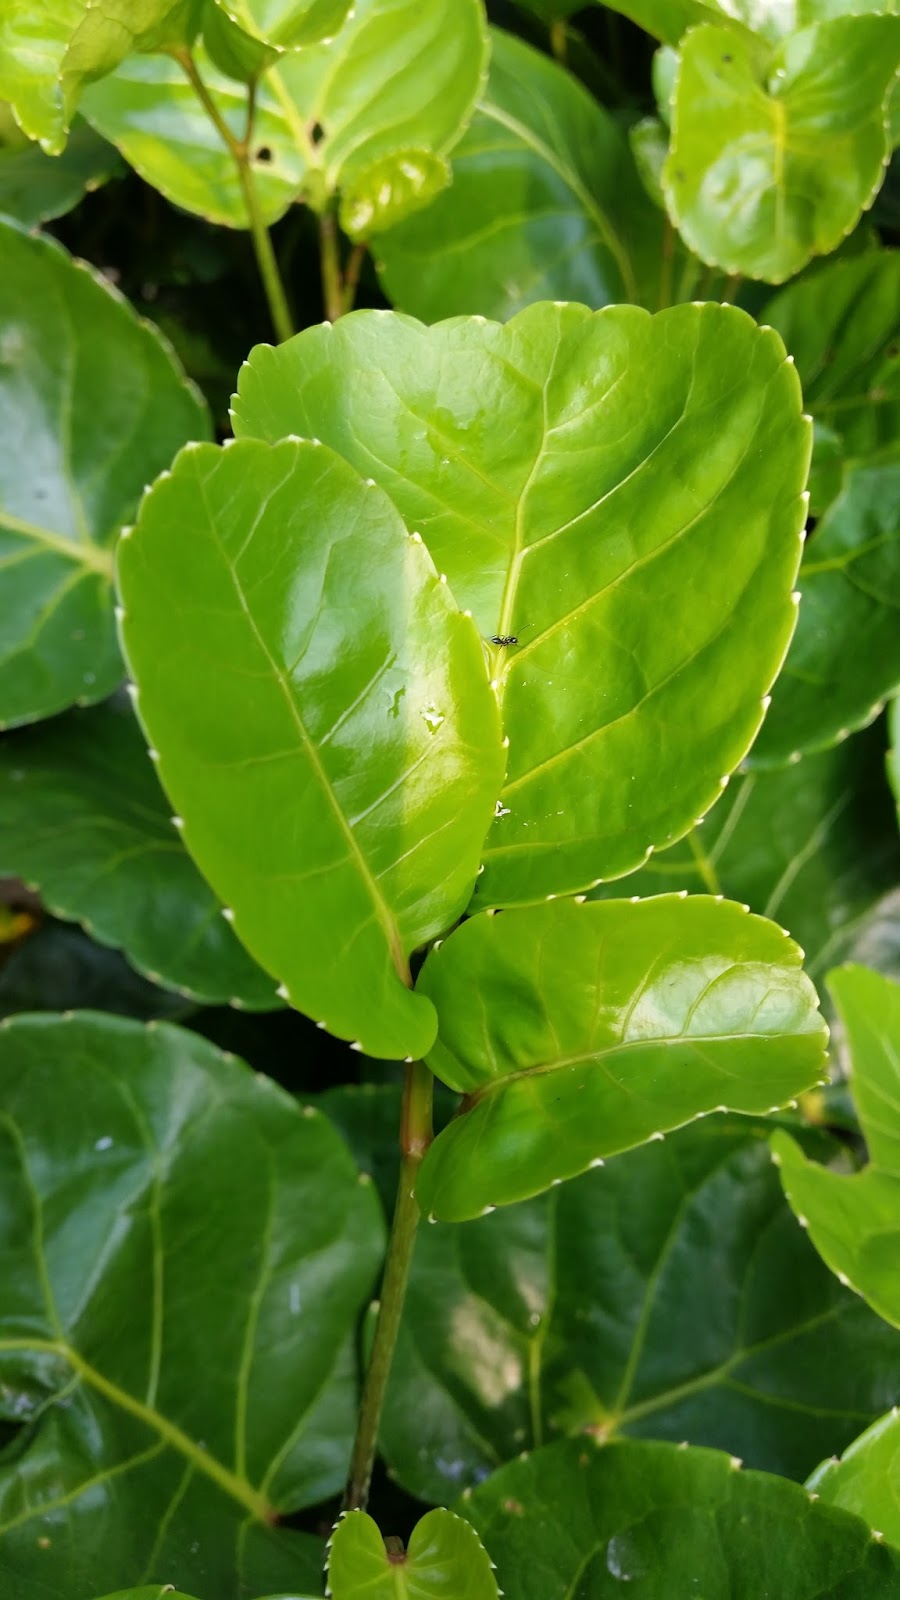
(567, 1313)
(393, 89)
(445, 1558)
(574, 475)
(47, 52)
(34, 186)
(812, 845)
(82, 818)
(866, 1480)
(844, 659)
(577, 1031)
(574, 1522)
(842, 326)
(180, 1292)
(323, 720)
(854, 1221)
(776, 153)
(92, 405)
(545, 204)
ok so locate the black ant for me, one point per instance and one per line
(504, 638)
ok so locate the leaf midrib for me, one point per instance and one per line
(82, 551)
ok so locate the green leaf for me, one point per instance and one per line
(854, 1221)
(669, 20)
(573, 1521)
(844, 659)
(567, 1313)
(47, 53)
(842, 326)
(810, 845)
(153, 1593)
(92, 405)
(649, 140)
(776, 153)
(597, 470)
(391, 188)
(577, 1031)
(83, 818)
(176, 1343)
(58, 968)
(866, 1480)
(323, 719)
(287, 24)
(545, 203)
(35, 187)
(445, 1557)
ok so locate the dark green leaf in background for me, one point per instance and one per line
(578, 1031)
(866, 1480)
(854, 1220)
(323, 719)
(58, 968)
(92, 406)
(574, 1522)
(179, 1300)
(83, 819)
(34, 186)
(573, 475)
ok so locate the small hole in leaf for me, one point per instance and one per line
(263, 153)
(317, 133)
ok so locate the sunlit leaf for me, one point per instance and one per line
(92, 405)
(572, 475)
(578, 1031)
(866, 1480)
(445, 1557)
(323, 720)
(854, 1220)
(82, 817)
(176, 1343)
(287, 23)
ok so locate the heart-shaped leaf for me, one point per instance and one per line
(566, 1313)
(844, 659)
(577, 1031)
(776, 153)
(445, 1557)
(92, 405)
(573, 1521)
(811, 844)
(597, 470)
(34, 186)
(854, 1221)
(323, 720)
(866, 1480)
(544, 204)
(176, 1341)
(83, 819)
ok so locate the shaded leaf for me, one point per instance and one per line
(35, 187)
(82, 817)
(545, 203)
(574, 1520)
(444, 1557)
(565, 474)
(323, 718)
(58, 968)
(588, 1029)
(178, 1312)
(775, 154)
(92, 404)
(854, 1221)
(568, 1313)
(866, 1480)
(844, 658)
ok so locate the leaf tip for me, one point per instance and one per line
(735, 1463)
(310, 1111)
(580, 899)
(803, 1221)
(598, 1161)
(282, 992)
(355, 1044)
(842, 1278)
(152, 752)
(486, 1210)
(227, 913)
(131, 689)
(177, 823)
(658, 1134)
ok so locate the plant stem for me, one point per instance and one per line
(239, 150)
(559, 42)
(351, 276)
(415, 1137)
(332, 279)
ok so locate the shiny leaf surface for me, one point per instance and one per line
(92, 405)
(287, 24)
(588, 1029)
(444, 1557)
(844, 659)
(866, 1480)
(176, 1338)
(854, 1221)
(570, 1312)
(83, 819)
(35, 187)
(323, 718)
(811, 845)
(565, 474)
(776, 153)
(576, 1521)
(545, 204)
